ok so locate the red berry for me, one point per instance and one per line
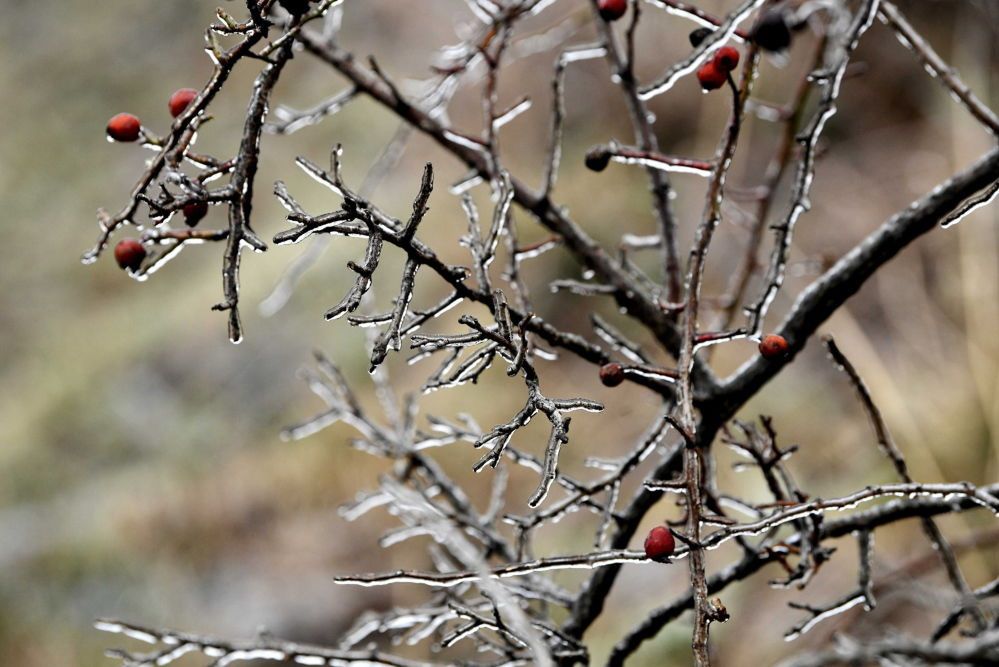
(726, 58)
(660, 543)
(711, 76)
(611, 374)
(612, 10)
(124, 127)
(180, 100)
(129, 254)
(194, 212)
(773, 346)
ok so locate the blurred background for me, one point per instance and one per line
(141, 472)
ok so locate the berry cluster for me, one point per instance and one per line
(714, 73)
(125, 127)
(772, 32)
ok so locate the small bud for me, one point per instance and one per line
(773, 347)
(180, 100)
(612, 10)
(124, 127)
(717, 611)
(129, 254)
(711, 76)
(597, 158)
(726, 58)
(660, 544)
(771, 32)
(699, 36)
(194, 212)
(612, 374)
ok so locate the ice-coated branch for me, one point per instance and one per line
(862, 595)
(942, 495)
(636, 302)
(176, 645)
(176, 148)
(947, 75)
(981, 650)
(693, 457)
(243, 179)
(553, 409)
(830, 80)
(888, 447)
(494, 593)
(622, 63)
(756, 559)
(824, 296)
(451, 579)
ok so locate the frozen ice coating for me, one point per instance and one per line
(310, 660)
(561, 355)
(585, 53)
(451, 580)
(464, 142)
(514, 111)
(663, 165)
(829, 613)
(290, 120)
(971, 205)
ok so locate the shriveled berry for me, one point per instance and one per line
(124, 127)
(711, 76)
(597, 158)
(726, 58)
(129, 254)
(180, 100)
(612, 374)
(295, 7)
(660, 543)
(771, 32)
(612, 10)
(698, 36)
(773, 346)
(194, 212)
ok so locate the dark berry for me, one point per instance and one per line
(597, 158)
(611, 374)
(699, 36)
(295, 7)
(194, 212)
(771, 32)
